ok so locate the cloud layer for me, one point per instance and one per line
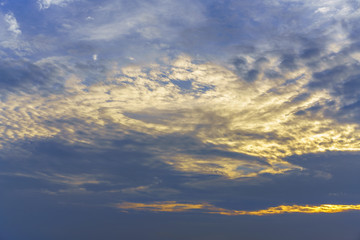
(268, 119)
(179, 106)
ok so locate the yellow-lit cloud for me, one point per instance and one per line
(70, 180)
(251, 118)
(172, 206)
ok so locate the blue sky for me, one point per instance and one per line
(168, 119)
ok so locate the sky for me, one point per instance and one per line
(169, 119)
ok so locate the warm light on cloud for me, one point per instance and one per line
(70, 180)
(204, 101)
(172, 206)
(218, 108)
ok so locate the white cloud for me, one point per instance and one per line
(13, 24)
(44, 4)
(151, 20)
(10, 33)
(322, 10)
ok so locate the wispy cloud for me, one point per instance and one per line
(13, 24)
(172, 206)
(57, 178)
(11, 37)
(151, 20)
(44, 4)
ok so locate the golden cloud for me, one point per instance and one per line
(172, 206)
(251, 118)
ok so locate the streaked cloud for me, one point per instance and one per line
(172, 206)
(71, 180)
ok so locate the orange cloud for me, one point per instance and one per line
(172, 206)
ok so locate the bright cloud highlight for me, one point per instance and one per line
(208, 102)
(172, 206)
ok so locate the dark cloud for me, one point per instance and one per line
(41, 78)
(243, 69)
(331, 181)
(240, 64)
(300, 97)
(252, 75)
(20, 73)
(54, 166)
(272, 74)
(288, 62)
(310, 53)
(133, 161)
(353, 29)
(327, 77)
(349, 89)
(261, 61)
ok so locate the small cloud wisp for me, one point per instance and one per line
(173, 206)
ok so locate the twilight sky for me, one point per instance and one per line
(169, 119)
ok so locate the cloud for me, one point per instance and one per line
(258, 119)
(44, 4)
(12, 39)
(268, 105)
(13, 24)
(172, 206)
(71, 180)
(199, 101)
(23, 75)
(148, 20)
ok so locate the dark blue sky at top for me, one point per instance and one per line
(243, 105)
